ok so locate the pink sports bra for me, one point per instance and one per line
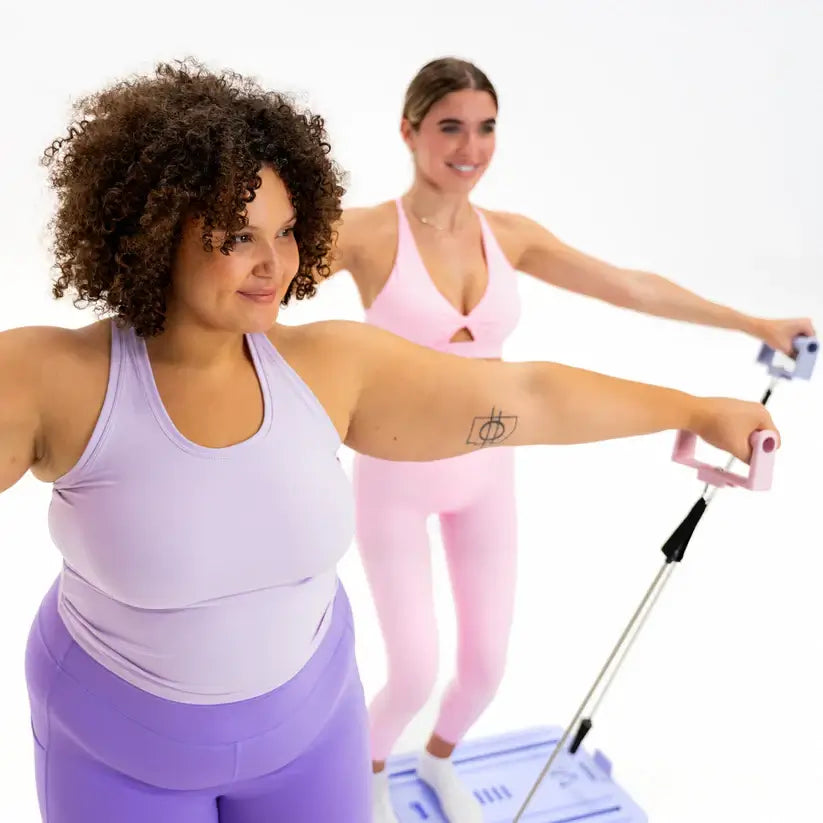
(410, 305)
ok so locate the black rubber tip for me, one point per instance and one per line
(675, 547)
(582, 731)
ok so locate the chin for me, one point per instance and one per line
(457, 185)
(253, 317)
(258, 322)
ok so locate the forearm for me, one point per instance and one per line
(568, 405)
(655, 295)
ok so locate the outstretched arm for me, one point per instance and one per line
(410, 402)
(547, 258)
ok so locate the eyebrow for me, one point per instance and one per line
(292, 219)
(455, 121)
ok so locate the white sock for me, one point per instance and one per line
(382, 810)
(458, 803)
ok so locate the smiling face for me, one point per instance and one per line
(240, 291)
(454, 143)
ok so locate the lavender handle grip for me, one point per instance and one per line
(806, 348)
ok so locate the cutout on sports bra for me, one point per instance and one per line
(462, 336)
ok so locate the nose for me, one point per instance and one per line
(269, 265)
(473, 146)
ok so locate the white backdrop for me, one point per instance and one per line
(679, 137)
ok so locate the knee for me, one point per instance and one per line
(411, 684)
(481, 673)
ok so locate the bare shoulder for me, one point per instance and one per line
(74, 367)
(341, 354)
(333, 349)
(509, 223)
(323, 354)
(46, 349)
(514, 232)
(360, 229)
(366, 245)
(345, 361)
(380, 217)
(64, 373)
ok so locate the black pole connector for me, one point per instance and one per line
(675, 547)
(582, 730)
(765, 399)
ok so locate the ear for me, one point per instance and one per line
(407, 133)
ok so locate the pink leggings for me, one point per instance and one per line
(474, 497)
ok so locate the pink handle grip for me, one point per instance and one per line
(761, 466)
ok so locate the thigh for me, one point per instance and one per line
(480, 543)
(393, 544)
(74, 788)
(329, 783)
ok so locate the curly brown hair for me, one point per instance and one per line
(150, 151)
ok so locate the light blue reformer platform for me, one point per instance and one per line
(501, 771)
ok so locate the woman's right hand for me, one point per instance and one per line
(729, 424)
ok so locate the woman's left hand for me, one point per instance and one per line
(779, 334)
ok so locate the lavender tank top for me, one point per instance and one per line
(202, 575)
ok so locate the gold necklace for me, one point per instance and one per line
(426, 222)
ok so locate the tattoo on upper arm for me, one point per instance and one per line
(491, 430)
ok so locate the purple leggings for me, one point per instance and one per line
(107, 751)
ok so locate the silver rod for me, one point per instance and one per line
(579, 714)
(634, 637)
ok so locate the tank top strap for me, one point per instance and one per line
(117, 376)
(406, 246)
(496, 260)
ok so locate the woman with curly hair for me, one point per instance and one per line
(194, 662)
(432, 267)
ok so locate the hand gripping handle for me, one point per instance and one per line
(804, 361)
